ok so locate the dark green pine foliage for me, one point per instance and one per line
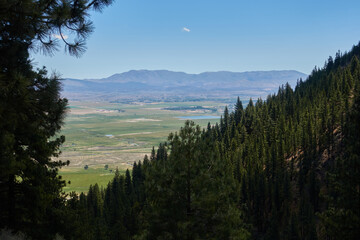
(284, 168)
(111, 213)
(117, 209)
(191, 194)
(32, 110)
(239, 111)
(293, 157)
(342, 217)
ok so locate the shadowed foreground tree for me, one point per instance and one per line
(31, 109)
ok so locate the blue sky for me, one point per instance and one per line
(207, 35)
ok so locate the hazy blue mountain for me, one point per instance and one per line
(143, 82)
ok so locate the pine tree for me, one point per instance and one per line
(342, 218)
(239, 111)
(187, 191)
(31, 109)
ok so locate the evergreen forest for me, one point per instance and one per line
(284, 167)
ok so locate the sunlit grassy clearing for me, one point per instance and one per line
(81, 179)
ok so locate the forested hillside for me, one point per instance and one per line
(282, 168)
(287, 167)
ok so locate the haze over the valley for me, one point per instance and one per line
(163, 85)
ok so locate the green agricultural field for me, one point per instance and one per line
(81, 179)
(99, 133)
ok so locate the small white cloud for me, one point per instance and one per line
(186, 29)
(59, 37)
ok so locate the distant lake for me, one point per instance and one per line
(75, 107)
(198, 117)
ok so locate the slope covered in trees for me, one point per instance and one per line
(287, 167)
(283, 168)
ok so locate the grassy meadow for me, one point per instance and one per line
(80, 179)
(115, 134)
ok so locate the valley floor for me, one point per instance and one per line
(117, 135)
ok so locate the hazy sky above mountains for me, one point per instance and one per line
(206, 35)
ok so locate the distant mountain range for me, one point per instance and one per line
(144, 83)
